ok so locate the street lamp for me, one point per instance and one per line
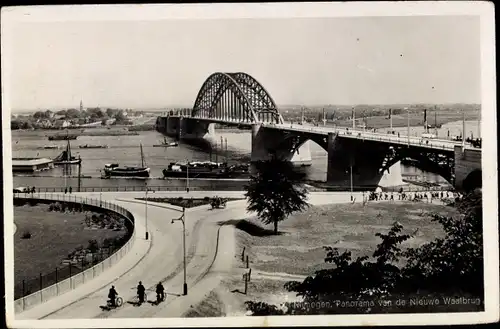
(187, 176)
(182, 219)
(408, 127)
(146, 210)
(350, 165)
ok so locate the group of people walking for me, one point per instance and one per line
(141, 293)
(412, 196)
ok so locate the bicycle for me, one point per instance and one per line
(118, 302)
(136, 299)
(160, 298)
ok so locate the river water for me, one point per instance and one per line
(125, 151)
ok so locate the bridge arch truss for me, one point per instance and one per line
(441, 163)
(236, 97)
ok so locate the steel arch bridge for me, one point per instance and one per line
(235, 97)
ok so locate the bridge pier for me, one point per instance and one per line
(268, 142)
(361, 160)
(468, 170)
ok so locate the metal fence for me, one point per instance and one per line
(312, 186)
(235, 186)
(47, 285)
(35, 284)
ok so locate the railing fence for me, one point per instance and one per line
(38, 289)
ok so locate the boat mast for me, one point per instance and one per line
(142, 158)
(68, 151)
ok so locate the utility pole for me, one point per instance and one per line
(408, 127)
(187, 176)
(479, 126)
(350, 167)
(353, 119)
(79, 173)
(463, 129)
(390, 117)
(146, 210)
(183, 219)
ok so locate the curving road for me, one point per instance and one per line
(211, 251)
(161, 262)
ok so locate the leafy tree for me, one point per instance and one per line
(448, 266)
(275, 191)
(73, 114)
(110, 112)
(15, 124)
(120, 117)
(39, 115)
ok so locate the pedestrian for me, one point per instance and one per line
(70, 189)
(66, 190)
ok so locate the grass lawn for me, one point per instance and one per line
(185, 202)
(53, 236)
(298, 249)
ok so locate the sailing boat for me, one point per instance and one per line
(114, 169)
(166, 144)
(65, 158)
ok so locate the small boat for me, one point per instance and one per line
(114, 170)
(196, 169)
(65, 158)
(50, 147)
(166, 144)
(87, 146)
(62, 137)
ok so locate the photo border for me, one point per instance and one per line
(485, 10)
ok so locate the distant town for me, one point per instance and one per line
(371, 116)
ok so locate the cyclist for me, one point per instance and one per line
(141, 292)
(160, 292)
(112, 296)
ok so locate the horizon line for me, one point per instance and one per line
(158, 108)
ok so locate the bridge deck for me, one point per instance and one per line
(438, 144)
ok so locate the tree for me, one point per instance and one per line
(110, 112)
(275, 191)
(73, 114)
(15, 124)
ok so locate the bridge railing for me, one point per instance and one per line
(359, 134)
(229, 186)
(30, 293)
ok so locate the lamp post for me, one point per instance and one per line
(146, 211)
(187, 176)
(182, 219)
(390, 117)
(350, 165)
(408, 127)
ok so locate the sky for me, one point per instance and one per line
(300, 61)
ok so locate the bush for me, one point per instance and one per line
(26, 235)
(93, 246)
(107, 242)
